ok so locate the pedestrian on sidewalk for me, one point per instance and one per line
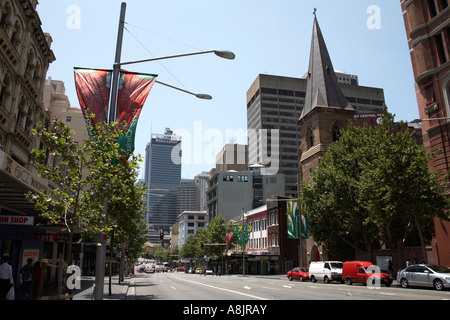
(6, 278)
(36, 279)
(27, 279)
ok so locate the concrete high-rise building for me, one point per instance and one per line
(188, 196)
(162, 178)
(428, 32)
(201, 181)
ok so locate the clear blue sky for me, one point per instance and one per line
(267, 36)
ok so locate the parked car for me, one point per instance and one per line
(181, 269)
(298, 273)
(325, 271)
(360, 272)
(426, 275)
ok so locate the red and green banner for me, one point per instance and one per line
(133, 91)
(94, 89)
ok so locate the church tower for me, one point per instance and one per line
(326, 109)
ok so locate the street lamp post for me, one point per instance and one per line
(101, 246)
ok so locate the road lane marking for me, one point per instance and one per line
(173, 288)
(223, 289)
(248, 288)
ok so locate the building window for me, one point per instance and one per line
(440, 49)
(432, 8)
(336, 133)
(69, 119)
(228, 177)
(242, 179)
(310, 138)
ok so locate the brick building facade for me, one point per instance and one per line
(427, 24)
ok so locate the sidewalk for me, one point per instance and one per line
(118, 291)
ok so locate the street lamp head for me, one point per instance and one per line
(225, 54)
(203, 96)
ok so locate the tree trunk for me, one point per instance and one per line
(422, 242)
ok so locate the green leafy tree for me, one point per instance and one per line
(213, 234)
(373, 186)
(84, 177)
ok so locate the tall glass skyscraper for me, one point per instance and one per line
(162, 177)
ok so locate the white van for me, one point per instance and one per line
(326, 271)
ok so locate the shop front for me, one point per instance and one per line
(20, 238)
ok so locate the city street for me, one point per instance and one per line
(182, 286)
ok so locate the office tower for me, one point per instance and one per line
(428, 34)
(162, 177)
(201, 181)
(188, 196)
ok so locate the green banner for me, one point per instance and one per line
(304, 221)
(243, 235)
(292, 219)
(293, 222)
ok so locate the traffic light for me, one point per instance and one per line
(202, 245)
(127, 252)
(161, 235)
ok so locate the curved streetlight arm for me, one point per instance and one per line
(220, 53)
(198, 95)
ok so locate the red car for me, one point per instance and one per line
(298, 273)
(362, 271)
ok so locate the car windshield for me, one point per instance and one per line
(302, 270)
(337, 265)
(439, 269)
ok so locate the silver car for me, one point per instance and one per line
(426, 275)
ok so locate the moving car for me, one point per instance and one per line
(298, 273)
(326, 271)
(361, 271)
(426, 275)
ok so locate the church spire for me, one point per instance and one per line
(322, 88)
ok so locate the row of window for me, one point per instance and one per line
(230, 178)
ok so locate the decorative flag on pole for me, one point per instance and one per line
(292, 219)
(133, 91)
(229, 236)
(94, 90)
(304, 221)
(243, 236)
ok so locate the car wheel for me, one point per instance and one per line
(404, 283)
(348, 281)
(326, 280)
(438, 284)
(313, 279)
(290, 278)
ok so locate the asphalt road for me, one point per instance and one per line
(194, 287)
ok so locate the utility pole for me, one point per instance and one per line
(101, 246)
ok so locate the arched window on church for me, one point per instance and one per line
(310, 138)
(336, 132)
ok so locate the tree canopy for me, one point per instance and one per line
(86, 175)
(373, 186)
(213, 234)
